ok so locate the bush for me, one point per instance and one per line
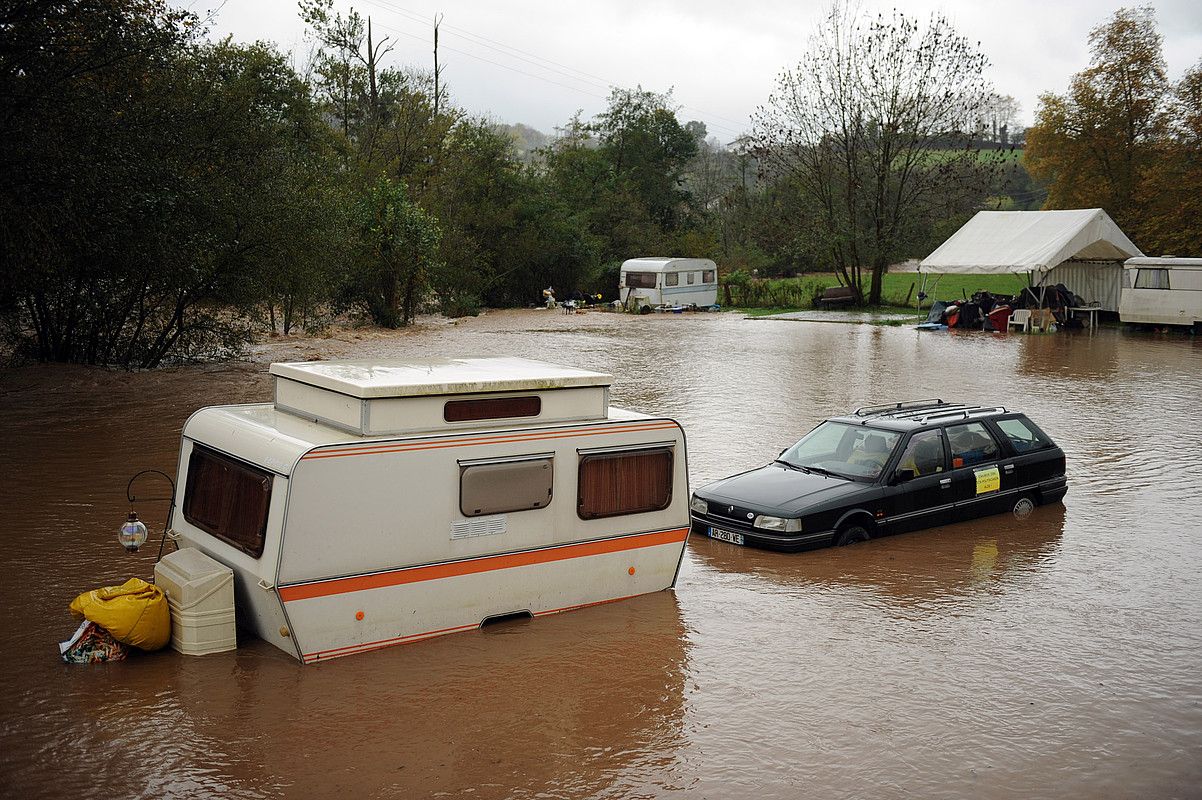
(742, 290)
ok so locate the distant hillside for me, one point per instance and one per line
(525, 139)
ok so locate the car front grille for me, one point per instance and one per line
(733, 514)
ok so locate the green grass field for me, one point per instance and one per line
(950, 287)
(895, 289)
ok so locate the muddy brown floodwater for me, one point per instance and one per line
(1057, 656)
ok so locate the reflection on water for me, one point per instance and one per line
(1054, 656)
(953, 564)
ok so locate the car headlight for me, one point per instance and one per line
(777, 524)
(699, 506)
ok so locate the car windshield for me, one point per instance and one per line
(846, 451)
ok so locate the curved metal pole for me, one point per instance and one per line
(170, 509)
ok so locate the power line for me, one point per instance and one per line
(500, 48)
(555, 67)
(494, 63)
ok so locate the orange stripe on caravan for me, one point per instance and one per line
(400, 447)
(380, 580)
(365, 647)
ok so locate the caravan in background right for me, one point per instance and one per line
(1162, 291)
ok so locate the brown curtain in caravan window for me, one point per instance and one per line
(228, 498)
(624, 482)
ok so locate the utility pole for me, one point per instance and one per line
(371, 69)
(437, 71)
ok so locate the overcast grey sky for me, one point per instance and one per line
(538, 62)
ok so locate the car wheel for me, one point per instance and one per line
(1023, 507)
(851, 535)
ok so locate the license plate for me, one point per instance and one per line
(726, 536)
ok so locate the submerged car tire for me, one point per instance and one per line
(1023, 506)
(851, 535)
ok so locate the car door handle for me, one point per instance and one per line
(1008, 468)
(946, 483)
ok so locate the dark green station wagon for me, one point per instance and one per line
(886, 469)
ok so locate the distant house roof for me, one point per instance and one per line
(997, 242)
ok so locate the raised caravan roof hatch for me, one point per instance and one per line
(404, 396)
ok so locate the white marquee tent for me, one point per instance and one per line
(1082, 248)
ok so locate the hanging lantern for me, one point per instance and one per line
(133, 533)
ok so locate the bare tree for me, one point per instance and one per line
(999, 116)
(875, 127)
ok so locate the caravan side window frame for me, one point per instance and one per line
(619, 481)
(228, 498)
(707, 276)
(506, 485)
(671, 279)
(1156, 278)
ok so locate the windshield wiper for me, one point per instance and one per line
(827, 472)
(789, 464)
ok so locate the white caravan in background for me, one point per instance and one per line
(668, 282)
(1161, 291)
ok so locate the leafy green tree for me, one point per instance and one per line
(626, 170)
(399, 254)
(150, 183)
(648, 151)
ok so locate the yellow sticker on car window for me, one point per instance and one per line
(988, 480)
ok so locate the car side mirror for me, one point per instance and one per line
(903, 475)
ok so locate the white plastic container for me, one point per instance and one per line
(200, 592)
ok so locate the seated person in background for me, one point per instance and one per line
(923, 456)
(870, 453)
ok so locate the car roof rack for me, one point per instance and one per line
(889, 409)
(923, 411)
(963, 411)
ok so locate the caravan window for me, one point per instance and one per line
(1152, 279)
(671, 279)
(499, 487)
(492, 408)
(640, 280)
(228, 498)
(624, 482)
(707, 276)
(692, 277)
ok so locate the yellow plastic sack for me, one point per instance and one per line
(135, 613)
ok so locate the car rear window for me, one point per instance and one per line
(1023, 435)
(971, 444)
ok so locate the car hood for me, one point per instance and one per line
(778, 487)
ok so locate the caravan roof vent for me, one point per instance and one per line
(388, 397)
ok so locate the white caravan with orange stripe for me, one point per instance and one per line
(376, 503)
